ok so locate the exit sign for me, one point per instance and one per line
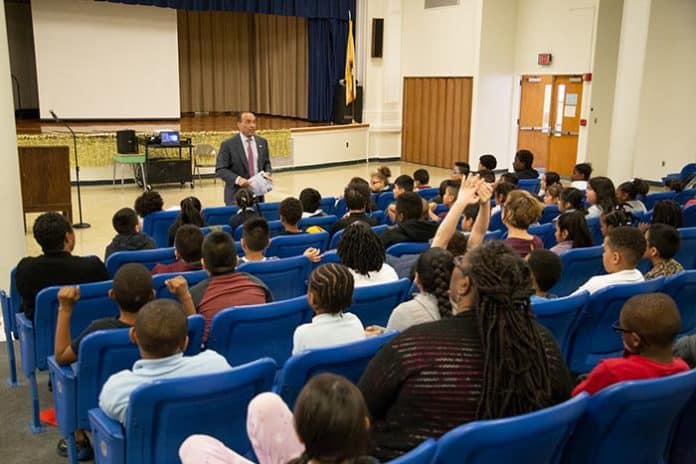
(544, 59)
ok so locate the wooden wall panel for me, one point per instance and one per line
(436, 120)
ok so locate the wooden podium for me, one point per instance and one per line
(45, 178)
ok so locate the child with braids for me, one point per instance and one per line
(245, 201)
(329, 293)
(361, 250)
(433, 272)
(571, 199)
(489, 360)
(627, 193)
(190, 214)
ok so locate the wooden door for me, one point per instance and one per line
(567, 101)
(534, 123)
(436, 120)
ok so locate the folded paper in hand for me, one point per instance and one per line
(260, 184)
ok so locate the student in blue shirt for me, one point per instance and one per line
(546, 272)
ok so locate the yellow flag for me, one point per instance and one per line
(350, 61)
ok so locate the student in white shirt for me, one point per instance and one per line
(329, 293)
(361, 250)
(255, 240)
(581, 174)
(623, 248)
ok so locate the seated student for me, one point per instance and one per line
(363, 187)
(161, 333)
(311, 203)
(431, 303)
(148, 202)
(668, 212)
(187, 249)
(469, 217)
(441, 191)
(618, 217)
(524, 159)
(379, 180)
(128, 236)
(410, 226)
(500, 194)
(402, 184)
(547, 180)
(132, 288)
(290, 210)
(601, 196)
(581, 174)
(56, 266)
(510, 178)
(520, 211)
(245, 201)
(330, 424)
(255, 240)
(552, 194)
(648, 325)
(360, 249)
(571, 232)
(627, 193)
(190, 214)
(461, 169)
(421, 179)
(447, 199)
(571, 199)
(437, 376)
(487, 162)
(225, 287)
(329, 293)
(623, 248)
(546, 272)
(673, 185)
(663, 244)
(487, 175)
(356, 202)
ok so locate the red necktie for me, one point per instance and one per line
(250, 158)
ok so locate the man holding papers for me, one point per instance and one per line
(244, 161)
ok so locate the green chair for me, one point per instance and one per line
(131, 160)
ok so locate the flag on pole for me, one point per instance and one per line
(350, 63)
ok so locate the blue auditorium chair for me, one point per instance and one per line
(579, 264)
(163, 414)
(285, 246)
(7, 316)
(536, 437)
(348, 360)
(630, 422)
(429, 193)
(328, 205)
(496, 222)
(380, 217)
(157, 224)
(218, 215)
(147, 258)
(682, 449)
(689, 216)
(652, 198)
(36, 338)
(550, 213)
(159, 284)
(684, 196)
(325, 222)
(217, 228)
(270, 211)
(384, 200)
(546, 232)
(592, 337)
(407, 248)
(493, 235)
(285, 277)
(686, 171)
(341, 207)
(559, 314)
(682, 288)
(686, 255)
(244, 333)
(373, 304)
(532, 186)
(330, 256)
(595, 230)
(422, 454)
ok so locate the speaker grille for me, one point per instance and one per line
(439, 3)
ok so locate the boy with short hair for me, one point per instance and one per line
(187, 249)
(161, 333)
(663, 244)
(290, 214)
(255, 240)
(524, 160)
(469, 218)
(357, 201)
(311, 203)
(402, 184)
(648, 326)
(546, 272)
(421, 179)
(128, 236)
(410, 224)
(451, 191)
(581, 174)
(487, 162)
(623, 248)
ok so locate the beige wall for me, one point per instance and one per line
(98, 60)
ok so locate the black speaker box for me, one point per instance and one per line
(126, 142)
(344, 114)
(377, 37)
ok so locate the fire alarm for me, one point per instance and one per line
(587, 77)
(544, 59)
(583, 122)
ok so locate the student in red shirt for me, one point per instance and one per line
(648, 325)
(188, 242)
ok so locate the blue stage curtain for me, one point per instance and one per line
(327, 58)
(324, 9)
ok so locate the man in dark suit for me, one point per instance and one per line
(242, 156)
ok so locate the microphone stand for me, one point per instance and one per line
(81, 224)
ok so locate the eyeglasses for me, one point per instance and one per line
(616, 326)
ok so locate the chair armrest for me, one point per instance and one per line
(64, 395)
(107, 438)
(25, 330)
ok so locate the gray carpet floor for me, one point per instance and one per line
(17, 443)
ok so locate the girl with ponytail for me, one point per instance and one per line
(190, 214)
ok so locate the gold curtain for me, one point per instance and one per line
(241, 61)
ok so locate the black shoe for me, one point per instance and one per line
(84, 449)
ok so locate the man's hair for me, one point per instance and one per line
(525, 157)
(332, 286)
(219, 253)
(452, 188)
(161, 328)
(49, 231)
(291, 210)
(404, 182)
(676, 185)
(546, 267)
(653, 316)
(124, 221)
(668, 212)
(188, 241)
(148, 202)
(522, 209)
(488, 161)
(665, 239)
(361, 249)
(552, 178)
(471, 211)
(584, 169)
(422, 176)
(510, 178)
(132, 287)
(256, 233)
(628, 242)
(409, 206)
(355, 198)
(310, 199)
(242, 113)
(462, 167)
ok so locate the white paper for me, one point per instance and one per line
(569, 111)
(260, 184)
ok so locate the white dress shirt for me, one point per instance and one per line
(597, 283)
(328, 330)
